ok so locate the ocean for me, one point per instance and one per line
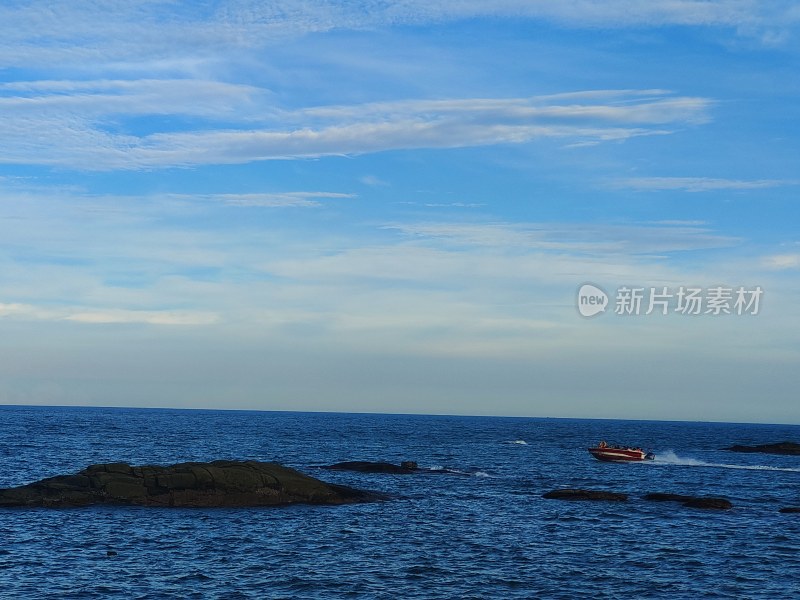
(483, 532)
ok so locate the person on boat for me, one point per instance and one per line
(602, 444)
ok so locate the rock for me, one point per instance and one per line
(691, 501)
(362, 466)
(790, 509)
(792, 448)
(658, 497)
(713, 503)
(407, 467)
(578, 494)
(215, 484)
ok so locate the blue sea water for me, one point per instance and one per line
(485, 534)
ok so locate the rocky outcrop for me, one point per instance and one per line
(691, 501)
(579, 494)
(220, 483)
(791, 448)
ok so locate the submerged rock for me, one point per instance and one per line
(578, 494)
(713, 503)
(222, 483)
(691, 501)
(659, 497)
(407, 467)
(363, 466)
(792, 448)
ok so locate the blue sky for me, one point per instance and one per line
(389, 206)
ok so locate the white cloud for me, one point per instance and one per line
(373, 181)
(123, 27)
(266, 200)
(71, 128)
(613, 106)
(130, 97)
(136, 31)
(599, 240)
(679, 222)
(608, 13)
(107, 316)
(451, 204)
(161, 150)
(780, 262)
(698, 184)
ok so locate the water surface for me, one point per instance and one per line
(485, 534)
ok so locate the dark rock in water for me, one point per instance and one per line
(219, 483)
(714, 503)
(578, 494)
(792, 448)
(407, 467)
(790, 509)
(691, 501)
(363, 466)
(658, 497)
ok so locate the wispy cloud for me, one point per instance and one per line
(266, 200)
(107, 316)
(136, 31)
(645, 107)
(780, 262)
(679, 222)
(596, 239)
(698, 184)
(451, 204)
(373, 181)
(80, 126)
(107, 97)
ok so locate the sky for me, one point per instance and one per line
(380, 206)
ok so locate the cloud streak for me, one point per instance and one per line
(76, 125)
(107, 316)
(597, 240)
(266, 200)
(698, 184)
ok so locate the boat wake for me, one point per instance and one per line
(669, 457)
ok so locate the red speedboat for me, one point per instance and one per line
(608, 453)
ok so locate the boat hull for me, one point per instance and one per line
(620, 454)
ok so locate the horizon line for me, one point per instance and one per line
(388, 414)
